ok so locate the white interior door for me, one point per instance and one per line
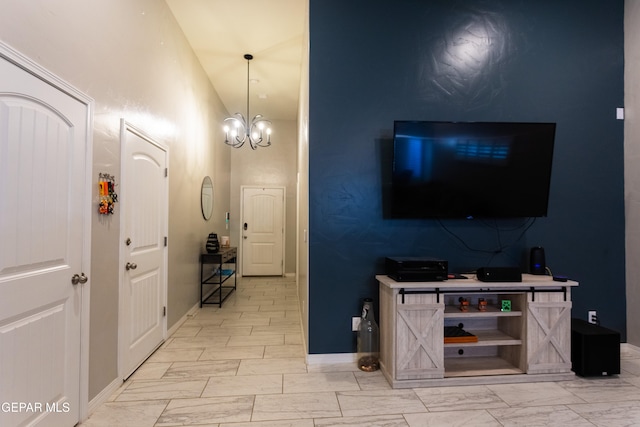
(143, 292)
(44, 202)
(262, 231)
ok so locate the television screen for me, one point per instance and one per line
(471, 169)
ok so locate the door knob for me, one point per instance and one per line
(79, 278)
(130, 266)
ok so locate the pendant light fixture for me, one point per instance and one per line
(238, 130)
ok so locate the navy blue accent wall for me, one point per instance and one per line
(376, 61)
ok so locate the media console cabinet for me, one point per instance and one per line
(523, 334)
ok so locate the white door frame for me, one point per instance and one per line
(48, 77)
(124, 127)
(284, 224)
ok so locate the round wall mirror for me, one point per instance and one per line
(206, 197)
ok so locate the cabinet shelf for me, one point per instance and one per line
(492, 311)
(478, 366)
(488, 338)
(218, 277)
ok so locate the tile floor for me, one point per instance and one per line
(243, 365)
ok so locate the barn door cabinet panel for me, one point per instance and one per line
(419, 338)
(548, 333)
(496, 332)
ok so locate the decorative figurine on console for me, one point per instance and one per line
(482, 304)
(213, 245)
(464, 304)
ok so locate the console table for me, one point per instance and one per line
(223, 267)
(526, 339)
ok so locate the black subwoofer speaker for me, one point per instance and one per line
(537, 264)
(595, 351)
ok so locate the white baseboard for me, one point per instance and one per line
(331, 358)
(104, 395)
(183, 319)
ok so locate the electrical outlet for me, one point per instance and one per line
(355, 324)
(592, 316)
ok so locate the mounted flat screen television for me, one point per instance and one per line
(470, 169)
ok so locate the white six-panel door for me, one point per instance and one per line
(44, 145)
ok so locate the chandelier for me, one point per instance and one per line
(237, 129)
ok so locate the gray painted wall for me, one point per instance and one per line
(133, 60)
(632, 171)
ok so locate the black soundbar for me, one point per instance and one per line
(499, 274)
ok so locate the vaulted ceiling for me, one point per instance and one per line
(222, 31)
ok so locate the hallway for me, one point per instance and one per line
(243, 365)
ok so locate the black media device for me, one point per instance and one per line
(470, 169)
(416, 269)
(537, 264)
(499, 274)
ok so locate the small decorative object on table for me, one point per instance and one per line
(505, 305)
(213, 245)
(482, 304)
(464, 304)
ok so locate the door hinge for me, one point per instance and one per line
(165, 241)
(166, 172)
(164, 311)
